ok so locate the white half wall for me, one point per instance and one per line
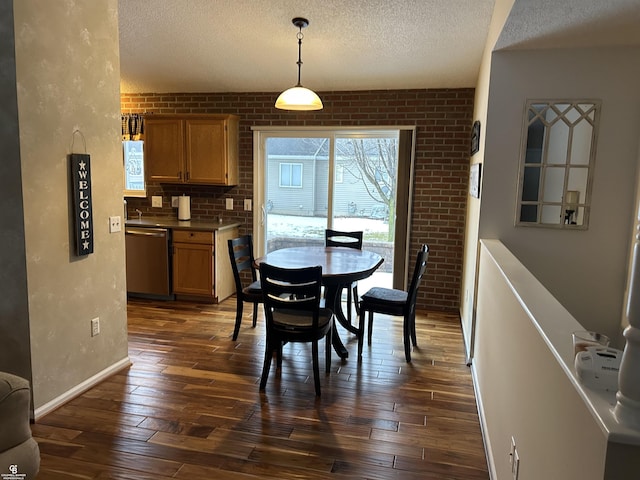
(527, 389)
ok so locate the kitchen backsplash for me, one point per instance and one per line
(207, 202)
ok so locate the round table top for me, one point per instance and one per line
(339, 264)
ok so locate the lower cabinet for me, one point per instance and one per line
(201, 265)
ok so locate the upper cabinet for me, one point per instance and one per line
(197, 149)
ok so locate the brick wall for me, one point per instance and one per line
(443, 118)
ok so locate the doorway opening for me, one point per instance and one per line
(352, 180)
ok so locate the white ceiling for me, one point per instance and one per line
(251, 45)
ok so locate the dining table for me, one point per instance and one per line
(341, 266)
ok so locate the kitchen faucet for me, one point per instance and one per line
(139, 212)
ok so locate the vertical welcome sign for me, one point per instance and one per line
(83, 216)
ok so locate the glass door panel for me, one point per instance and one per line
(296, 191)
(330, 179)
(364, 194)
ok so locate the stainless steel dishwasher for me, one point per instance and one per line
(148, 261)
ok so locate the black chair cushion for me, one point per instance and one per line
(386, 295)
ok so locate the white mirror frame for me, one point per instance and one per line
(569, 203)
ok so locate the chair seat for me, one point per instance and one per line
(255, 287)
(295, 319)
(386, 295)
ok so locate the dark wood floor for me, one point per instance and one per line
(189, 406)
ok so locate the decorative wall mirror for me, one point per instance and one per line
(556, 163)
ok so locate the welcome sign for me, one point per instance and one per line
(83, 216)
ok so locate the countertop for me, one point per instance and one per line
(174, 223)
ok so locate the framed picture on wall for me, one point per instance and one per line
(475, 137)
(474, 180)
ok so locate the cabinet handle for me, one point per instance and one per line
(180, 175)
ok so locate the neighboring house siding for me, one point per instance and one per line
(443, 118)
(281, 199)
(351, 199)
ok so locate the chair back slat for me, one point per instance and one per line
(294, 290)
(336, 238)
(241, 257)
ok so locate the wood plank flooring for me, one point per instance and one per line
(189, 406)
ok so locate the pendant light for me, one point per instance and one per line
(299, 97)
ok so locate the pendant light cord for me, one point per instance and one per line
(299, 62)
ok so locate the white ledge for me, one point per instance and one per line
(555, 325)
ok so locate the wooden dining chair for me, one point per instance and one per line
(336, 238)
(248, 287)
(293, 313)
(395, 302)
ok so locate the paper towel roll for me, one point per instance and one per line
(184, 208)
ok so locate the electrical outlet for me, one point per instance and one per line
(247, 204)
(156, 201)
(175, 202)
(115, 224)
(95, 326)
(229, 203)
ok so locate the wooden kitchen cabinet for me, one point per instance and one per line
(201, 265)
(195, 149)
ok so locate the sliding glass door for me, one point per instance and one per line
(309, 180)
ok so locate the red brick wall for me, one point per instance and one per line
(443, 118)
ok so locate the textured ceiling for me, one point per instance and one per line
(251, 46)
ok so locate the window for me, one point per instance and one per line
(556, 164)
(133, 154)
(291, 175)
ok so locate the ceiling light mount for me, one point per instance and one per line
(299, 97)
(300, 22)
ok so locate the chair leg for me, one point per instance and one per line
(266, 366)
(370, 326)
(279, 356)
(327, 351)
(406, 330)
(236, 329)
(349, 300)
(414, 339)
(316, 367)
(255, 314)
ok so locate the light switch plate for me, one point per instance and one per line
(175, 202)
(229, 203)
(247, 204)
(156, 201)
(115, 224)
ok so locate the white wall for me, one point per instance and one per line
(585, 270)
(522, 389)
(67, 69)
(468, 290)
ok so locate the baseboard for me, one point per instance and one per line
(80, 388)
(483, 427)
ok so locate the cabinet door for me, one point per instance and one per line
(164, 145)
(206, 151)
(193, 269)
